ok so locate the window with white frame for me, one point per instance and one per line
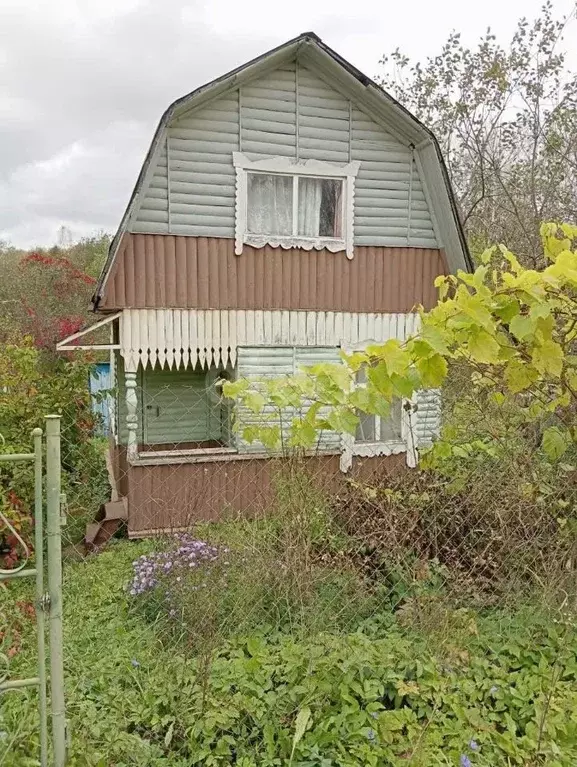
(375, 429)
(301, 205)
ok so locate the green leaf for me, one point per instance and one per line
(555, 442)
(254, 401)
(522, 327)
(519, 375)
(379, 377)
(548, 358)
(483, 347)
(433, 370)
(435, 338)
(302, 720)
(302, 433)
(395, 358)
(343, 420)
(169, 734)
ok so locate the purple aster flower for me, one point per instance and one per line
(465, 761)
(473, 745)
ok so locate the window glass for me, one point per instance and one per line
(320, 207)
(391, 426)
(269, 204)
(373, 428)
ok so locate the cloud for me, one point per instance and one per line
(80, 95)
(83, 84)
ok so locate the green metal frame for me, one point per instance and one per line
(46, 602)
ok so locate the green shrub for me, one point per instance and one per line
(30, 388)
(509, 685)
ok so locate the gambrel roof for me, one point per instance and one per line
(363, 91)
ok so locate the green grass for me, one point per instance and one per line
(380, 696)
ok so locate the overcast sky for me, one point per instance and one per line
(83, 83)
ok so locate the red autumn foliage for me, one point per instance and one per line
(60, 263)
(63, 295)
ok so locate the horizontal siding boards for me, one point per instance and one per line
(152, 211)
(428, 417)
(390, 204)
(168, 497)
(289, 112)
(258, 363)
(323, 114)
(268, 115)
(202, 176)
(173, 407)
(203, 272)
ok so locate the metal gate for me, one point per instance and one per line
(48, 602)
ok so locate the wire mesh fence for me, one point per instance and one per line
(227, 603)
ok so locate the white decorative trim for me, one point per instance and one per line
(408, 442)
(289, 166)
(287, 243)
(131, 414)
(175, 337)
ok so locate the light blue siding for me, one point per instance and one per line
(152, 209)
(257, 363)
(101, 386)
(268, 115)
(289, 112)
(174, 406)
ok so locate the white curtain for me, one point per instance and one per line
(310, 198)
(269, 204)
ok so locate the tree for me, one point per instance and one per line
(46, 293)
(506, 120)
(516, 329)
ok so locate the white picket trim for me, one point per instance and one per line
(176, 337)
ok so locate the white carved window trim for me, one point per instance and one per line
(288, 167)
(406, 444)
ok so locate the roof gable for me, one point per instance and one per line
(323, 66)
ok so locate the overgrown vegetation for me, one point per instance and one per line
(502, 690)
(31, 387)
(44, 296)
(45, 293)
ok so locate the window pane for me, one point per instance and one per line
(391, 426)
(365, 428)
(320, 208)
(269, 204)
(372, 428)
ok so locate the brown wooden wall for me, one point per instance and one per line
(166, 271)
(167, 497)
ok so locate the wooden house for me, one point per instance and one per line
(284, 211)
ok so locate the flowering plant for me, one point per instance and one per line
(155, 571)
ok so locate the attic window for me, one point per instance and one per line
(294, 205)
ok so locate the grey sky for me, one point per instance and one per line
(84, 82)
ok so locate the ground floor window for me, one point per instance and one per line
(374, 429)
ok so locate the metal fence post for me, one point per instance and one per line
(40, 602)
(54, 554)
